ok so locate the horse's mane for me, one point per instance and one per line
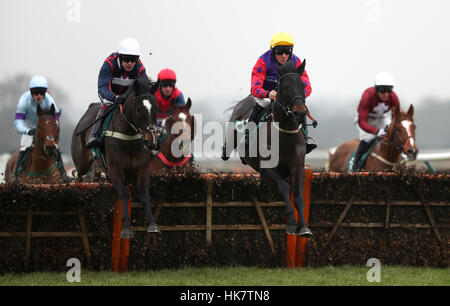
(144, 83)
(287, 67)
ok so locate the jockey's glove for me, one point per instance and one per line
(120, 99)
(31, 132)
(381, 132)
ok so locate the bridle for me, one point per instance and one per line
(41, 142)
(140, 133)
(286, 107)
(400, 147)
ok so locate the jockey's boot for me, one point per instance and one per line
(94, 137)
(309, 146)
(20, 161)
(254, 117)
(224, 153)
(362, 148)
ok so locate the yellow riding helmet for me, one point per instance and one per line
(281, 39)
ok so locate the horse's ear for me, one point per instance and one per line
(193, 129)
(188, 104)
(411, 111)
(39, 110)
(301, 68)
(52, 110)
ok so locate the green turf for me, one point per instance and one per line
(241, 276)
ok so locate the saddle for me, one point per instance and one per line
(364, 157)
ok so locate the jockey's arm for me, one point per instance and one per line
(104, 82)
(258, 77)
(363, 117)
(19, 121)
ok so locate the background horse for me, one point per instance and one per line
(386, 154)
(126, 149)
(288, 115)
(40, 166)
(182, 124)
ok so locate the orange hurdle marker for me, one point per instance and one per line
(120, 248)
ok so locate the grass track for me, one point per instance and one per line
(241, 276)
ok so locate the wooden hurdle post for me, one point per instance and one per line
(120, 247)
(296, 246)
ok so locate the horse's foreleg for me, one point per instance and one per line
(144, 196)
(122, 190)
(285, 189)
(298, 179)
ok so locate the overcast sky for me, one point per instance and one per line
(213, 45)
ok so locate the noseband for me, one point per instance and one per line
(391, 143)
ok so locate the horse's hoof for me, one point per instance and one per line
(126, 233)
(304, 232)
(291, 229)
(153, 228)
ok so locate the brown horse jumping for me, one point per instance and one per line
(386, 154)
(40, 166)
(180, 130)
(127, 144)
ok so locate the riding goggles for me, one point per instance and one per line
(129, 58)
(279, 50)
(384, 89)
(38, 91)
(167, 83)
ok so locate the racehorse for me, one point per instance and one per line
(288, 115)
(40, 166)
(180, 132)
(386, 154)
(126, 148)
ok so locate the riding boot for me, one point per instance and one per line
(254, 117)
(94, 138)
(309, 146)
(362, 148)
(20, 162)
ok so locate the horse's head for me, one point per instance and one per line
(47, 132)
(291, 89)
(402, 132)
(181, 121)
(140, 108)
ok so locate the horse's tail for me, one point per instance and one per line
(242, 108)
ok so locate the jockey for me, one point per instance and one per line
(26, 120)
(166, 93)
(117, 73)
(373, 113)
(265, 76)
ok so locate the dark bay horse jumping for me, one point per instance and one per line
(180, 128)
(126, 149)
(287, 117)
(40, 166)
(386, 154)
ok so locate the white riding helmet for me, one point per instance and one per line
(384, 79)
(129, 46)
(38, 81)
